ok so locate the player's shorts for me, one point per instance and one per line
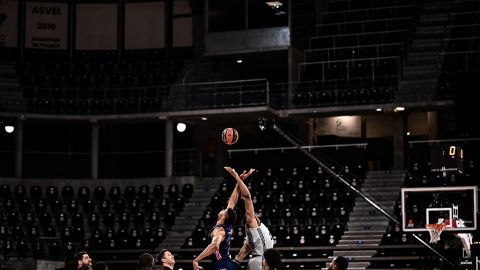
(226, 264)
(255, 263)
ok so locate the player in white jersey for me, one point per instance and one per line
(258, 237)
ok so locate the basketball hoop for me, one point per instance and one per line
(435, 230)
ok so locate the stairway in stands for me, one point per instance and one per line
(10, 89)
(205, 188)
(366, 226)
(421, 70)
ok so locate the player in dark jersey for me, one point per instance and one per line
(258, 237)
(221, 234)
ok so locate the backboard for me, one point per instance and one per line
(454, 206)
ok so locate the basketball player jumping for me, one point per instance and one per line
(258, 238)
(222, 233)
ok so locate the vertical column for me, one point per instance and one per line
(121, 27)
(22, 14)
(168, 25)
(432, 125)
(398, 141)
(19, 148)
(94, 137)
(72, 17)
(168, 147)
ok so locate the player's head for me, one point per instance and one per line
(272, 258)
(82, 259)
(165, 258)
(229, 216)
(339, 263)
(146, 260)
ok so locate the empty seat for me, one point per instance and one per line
(56, 206)
(67, 192)
(35, 192)
(158, 192)
(51, 193)
(83, 193)
(73, 206)
(20, 191)
(129, 193)
(173, 191)
(109, 219)
(5, 191)
(187, 190)
(99, 193)
(61, 219)
(93, 220)
(114, 193)
(104, 206)
(144, 191)
(88, 206)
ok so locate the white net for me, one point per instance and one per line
(435, 230)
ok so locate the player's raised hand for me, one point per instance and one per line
(245, 174)
(231, 171)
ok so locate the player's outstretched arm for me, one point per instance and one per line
(245, 193)
(234, 197)
(242, 253)
(218, 235)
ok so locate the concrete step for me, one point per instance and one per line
(380, 189)
(418, 83)
(386, 204)
(430, 68)
(433, 19)
(369, 223)
(364, 253)
(436, 6)
(383, 183)
(367, 219)
(427, 42)
(359, 242)
(393, 172)
(365, 227)
(371, 212)
(361, 235)
(362, 232)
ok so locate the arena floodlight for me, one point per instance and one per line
(9, 128)
(181, 127)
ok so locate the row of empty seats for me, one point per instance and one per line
(67, 219)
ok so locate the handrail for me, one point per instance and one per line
(365, 21)
(356, 46)
(220, 82)
(367, 9)
(460, 38)
(359, 34)
(444, 140)
(309, 147)
(465, 12)
(458, 52)
(351, 60)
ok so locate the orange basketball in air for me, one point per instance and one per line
(229, 136)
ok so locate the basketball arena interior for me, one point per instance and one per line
(359, 117)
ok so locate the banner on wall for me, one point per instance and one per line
(96, 27)
(182, 24)
(342, 126)
(8, 23)
(145, 25)
(182, 32)
(46, 25)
